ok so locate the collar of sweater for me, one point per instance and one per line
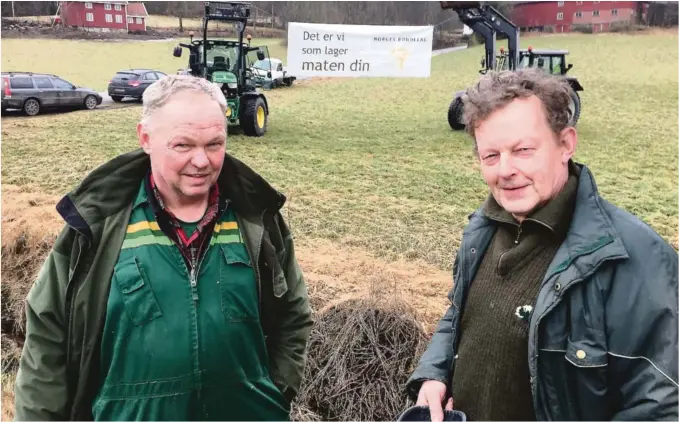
(555, 214)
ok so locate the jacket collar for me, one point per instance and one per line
(591, 236)
(115, 185)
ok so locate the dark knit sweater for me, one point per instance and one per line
(491, 379)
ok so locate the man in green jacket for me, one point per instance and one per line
(564, 306)
(173, 291)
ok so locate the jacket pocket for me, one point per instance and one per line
(586, 354)
(238, 285)
(137, 295)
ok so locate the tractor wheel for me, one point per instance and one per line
(455, 114)
(32, 107)
(574, 107)
(254, 116)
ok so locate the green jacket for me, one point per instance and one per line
(58, 374)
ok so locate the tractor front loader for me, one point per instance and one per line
(488, 21)
(228, 64)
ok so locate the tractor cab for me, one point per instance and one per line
(551, 61)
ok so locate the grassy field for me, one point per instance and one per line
(372, 162)
(93, 63)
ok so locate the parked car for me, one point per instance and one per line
(34, 92)
(271, 71)
(132, 83)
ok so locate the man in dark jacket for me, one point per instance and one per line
(564, 306)
(173, 291)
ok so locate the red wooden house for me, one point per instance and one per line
(103, 16)
(563, 16)
(136, 17)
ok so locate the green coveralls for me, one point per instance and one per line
(173, 349)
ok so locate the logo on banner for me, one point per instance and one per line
(359, 50)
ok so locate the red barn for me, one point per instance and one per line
(563, 16)
(103, 16)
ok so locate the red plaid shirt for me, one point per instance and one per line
(197, 241)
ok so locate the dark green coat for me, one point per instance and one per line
(603, 332)
(66, 307)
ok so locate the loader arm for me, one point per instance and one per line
(488, 21)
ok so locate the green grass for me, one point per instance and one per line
(373, 163)
(93, 63)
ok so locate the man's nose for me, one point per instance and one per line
(506, 166)
(199, 158)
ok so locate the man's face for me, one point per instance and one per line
(185, 140)
(523, 162)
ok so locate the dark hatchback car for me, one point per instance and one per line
(132, 83)
(35, 92)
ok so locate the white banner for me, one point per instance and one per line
(359, 50)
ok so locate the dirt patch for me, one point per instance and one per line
(335, 274)
(30, 224)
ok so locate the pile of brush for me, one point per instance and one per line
(361, 353)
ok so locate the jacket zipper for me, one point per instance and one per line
(518, 234)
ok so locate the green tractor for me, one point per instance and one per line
(488, 22)
(229, 64)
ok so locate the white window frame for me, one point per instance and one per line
(130, 19)
(595, 13)
(109, 18)
(119, 18)
(118, 7)
(614, 12)
(107, 6)
(559, 3)
(139, 21)
(578, 2)
(88, 5)
(577, 15)
(89, 17)
(559, 16)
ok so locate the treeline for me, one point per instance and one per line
(278, 14)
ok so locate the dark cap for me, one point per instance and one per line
(422, 413)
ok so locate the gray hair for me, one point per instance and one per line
(159, 93)
(497, 89)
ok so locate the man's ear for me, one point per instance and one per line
(568, 140)
(143, 137)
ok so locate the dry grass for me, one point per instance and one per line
(25, 245)
(361, 353)
(8, 396)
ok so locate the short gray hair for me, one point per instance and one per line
(160, 92)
